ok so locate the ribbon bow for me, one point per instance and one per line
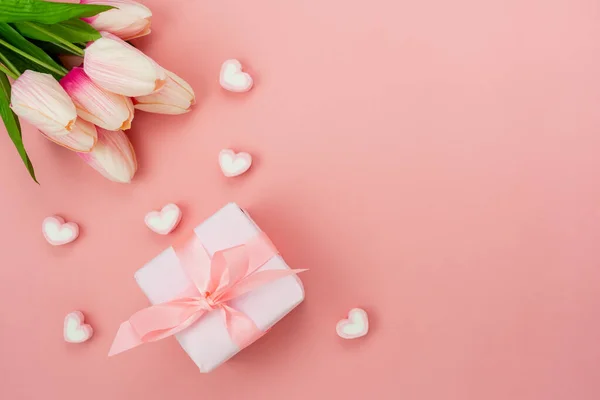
(229, 274)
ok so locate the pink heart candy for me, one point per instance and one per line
(355, 326)
(57, 232)
(233, 79)
(75, 331)
(234, 164)
(164, 221)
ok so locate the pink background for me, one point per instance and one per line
(435, 162)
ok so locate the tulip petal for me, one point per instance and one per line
(82, 138)
(40, 100)
(112, 156)
(176, 97)
(128, 20)
(120, 68)
(158, 108)
(105, 109)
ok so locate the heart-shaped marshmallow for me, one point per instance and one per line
(355, 326)
(164, 221)
(75, 330)
(234, 164)
(57, 232)
(233, 79)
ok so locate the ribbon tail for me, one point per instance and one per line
(126, 339)
(155, 323)
(242, 330)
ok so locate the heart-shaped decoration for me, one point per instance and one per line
(57, 232)
(164, 221)
(355, 326)
(75, 330)
(233, 79)
(234, 164)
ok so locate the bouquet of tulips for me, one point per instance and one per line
(84, 105)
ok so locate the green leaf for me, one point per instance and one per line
(12, 123)
(65, 33)
(46, 12)
(55, 49)
(21, 64)
(11, 70)
(25, 55)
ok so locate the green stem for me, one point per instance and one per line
(65, 48)
(8, 72)
(9, 65)
(57, 38)
(62, 72)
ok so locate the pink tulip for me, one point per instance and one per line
(41, 101)
(112, 156)
(105, 109)
(82, 137)
(128, 20)
(176, 97)
(120, 68)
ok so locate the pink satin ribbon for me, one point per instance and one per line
(229, 274)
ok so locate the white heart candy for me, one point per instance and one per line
(75, 331)
(233, 79)
(233, 164)
(355, 326)
(57, 232)
(164, 221)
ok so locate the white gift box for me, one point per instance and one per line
(207, 341)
